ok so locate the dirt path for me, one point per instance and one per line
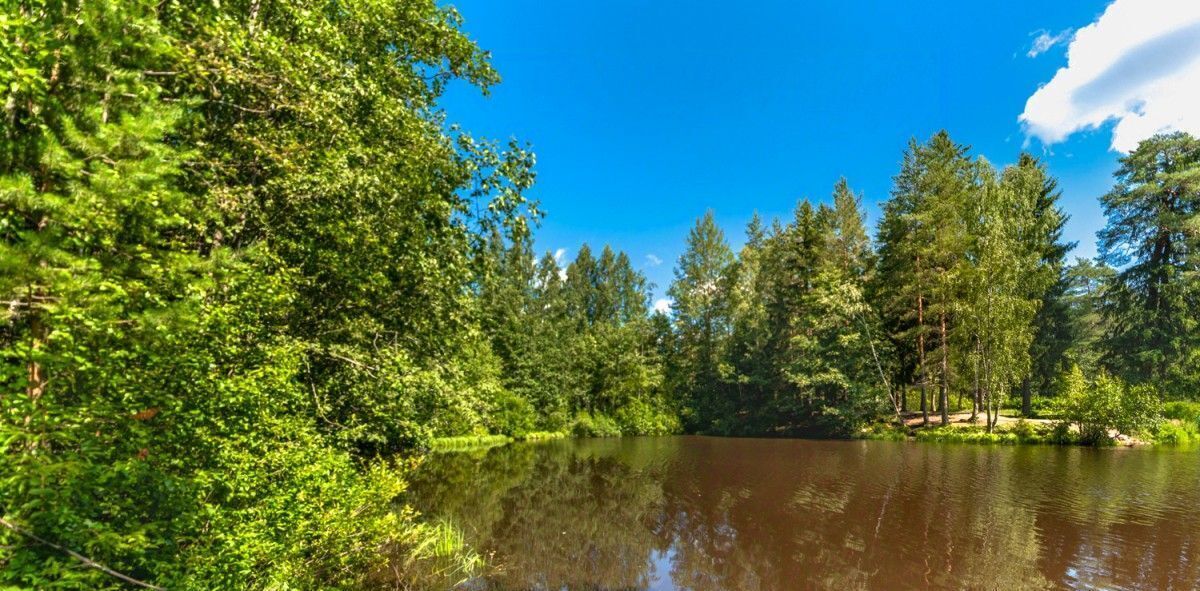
(913, 419)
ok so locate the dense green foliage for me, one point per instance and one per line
(235, 258)
(1152, 308)
(781, 335)
(247, 265)
(1106, 404)
(578, 349)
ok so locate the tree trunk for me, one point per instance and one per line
(1026, 397)
(945, 390)
(987, 394)
(921, 351)
(987, 409)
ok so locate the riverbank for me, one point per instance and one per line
(1180, 426)
(469, 442)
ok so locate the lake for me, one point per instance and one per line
(706, 513)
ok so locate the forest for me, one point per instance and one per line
(251, 270)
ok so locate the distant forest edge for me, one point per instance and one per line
(963, 302)
(249, 267)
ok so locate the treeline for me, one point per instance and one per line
(579, 352)
(963, 302)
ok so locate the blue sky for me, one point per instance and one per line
(645, 114)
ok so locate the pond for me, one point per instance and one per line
(706, 513)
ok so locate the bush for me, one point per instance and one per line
(881, 431)
(293, 513)
(1176, 432)
(594, 425)
(641, 418)
(512, 415)
(1108, 404)
(1061, 434)
(1024, 431)
(1187, 412)
(465, 442)
(965, 435)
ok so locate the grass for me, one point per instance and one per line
(543, 435)
(1020, 432)
(466, 442)
(437, 555)
(1016, 433)
(476, 442)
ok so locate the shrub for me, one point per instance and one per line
(465, 442)
(884, 432)
(1024, 431)
(1108, 404)
(965, 435)
(594, 425)
(512, 415)
(1061, 434)
(639, 417)
(1043, 407)
(1175, 432)
(1187, 412)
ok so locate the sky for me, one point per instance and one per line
(646, 114)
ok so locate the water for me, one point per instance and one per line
(707, 513)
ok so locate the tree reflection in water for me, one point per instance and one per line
(750, 514)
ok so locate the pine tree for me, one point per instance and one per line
(1152, 310)
(851, 245)
(749, 333)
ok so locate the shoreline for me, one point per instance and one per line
(1009, 431)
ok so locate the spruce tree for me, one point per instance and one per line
(701, 314)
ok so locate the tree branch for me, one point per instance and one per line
(81, 558)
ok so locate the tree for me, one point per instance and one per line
(238, 244)
(747, 353)
(1000, 308)
(948, 184)
(1047, 280)
(1152, 305)
(850, 244)
(923, 239)
(701, 312)
(1087, 283)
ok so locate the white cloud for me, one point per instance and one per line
(560, 262)
(662, 305)
(1138, 65)
(653, 261)
(1044, 41)
(559, 258)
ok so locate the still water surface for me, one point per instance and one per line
(707, 513)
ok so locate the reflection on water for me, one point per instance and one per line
(705, 514)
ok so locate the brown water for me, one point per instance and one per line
(712, 513)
